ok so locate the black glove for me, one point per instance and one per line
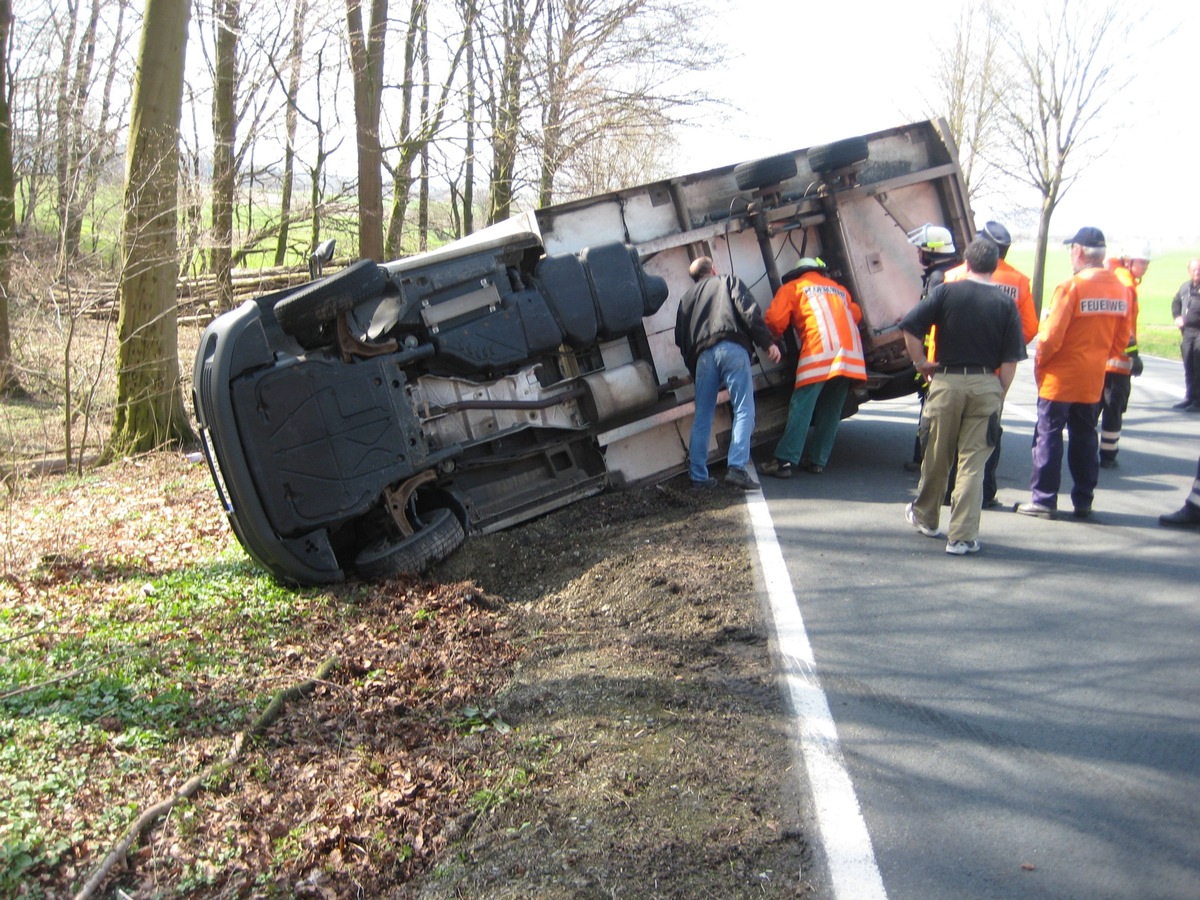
(1136, 365)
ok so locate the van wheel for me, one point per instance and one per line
(838, 155)
(307, 313)
(440, 535)
(761, 173)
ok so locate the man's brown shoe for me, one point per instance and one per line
(1034, 509)
(776, 468)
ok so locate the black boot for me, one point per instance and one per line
(1187, 517)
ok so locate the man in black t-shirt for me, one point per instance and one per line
(979, 344)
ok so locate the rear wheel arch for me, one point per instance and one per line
(440, 534)
(305, 313)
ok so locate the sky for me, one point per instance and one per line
(868, 67)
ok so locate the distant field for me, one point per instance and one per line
(1156, 330)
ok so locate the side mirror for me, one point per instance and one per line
(322, 254)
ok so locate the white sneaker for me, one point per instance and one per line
(962, 548)
(910, 516)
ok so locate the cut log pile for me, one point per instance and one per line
(198, 297)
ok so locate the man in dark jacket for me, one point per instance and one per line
(1185, 307)
(716, 326)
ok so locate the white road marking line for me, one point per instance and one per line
(844, 835)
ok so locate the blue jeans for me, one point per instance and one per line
(1083, 451)
(728, 364)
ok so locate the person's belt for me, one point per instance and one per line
(966, 370)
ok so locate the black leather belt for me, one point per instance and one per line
(966, 370)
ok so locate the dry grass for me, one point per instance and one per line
(64, 349)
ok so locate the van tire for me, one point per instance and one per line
(838, 155)
(305, 313)
(761, 173)
(441, 535)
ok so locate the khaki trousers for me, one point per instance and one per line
(955, 417)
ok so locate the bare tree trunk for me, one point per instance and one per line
(1037, 278)
(409, 146)
(295, 67)
(149, 409)
(423, 198)
(65, 170)
(414, 141)
(517, 25)
(9, 384)
(552, 111)
(193, 258)
(317, 172)
(470, 14)
(366, 63)
(225, 80)
(76, 150)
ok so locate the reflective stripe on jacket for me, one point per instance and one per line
(1087, 322)
(826, 321)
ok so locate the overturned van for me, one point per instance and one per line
(363, 424)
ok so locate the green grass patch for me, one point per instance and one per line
(34, 774)
(1159, 340)
(135, 677)
(137, 661)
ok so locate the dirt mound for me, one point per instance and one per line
(652, 761)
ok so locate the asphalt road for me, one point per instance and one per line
(1024, 722)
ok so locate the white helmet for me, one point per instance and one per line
(933, 239)
(1136, 250)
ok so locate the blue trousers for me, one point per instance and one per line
(1083, 452)
(728, 364)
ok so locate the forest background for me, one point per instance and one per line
(394, 128)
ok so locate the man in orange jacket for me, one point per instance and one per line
(1129, 266)
(1016, 287)
(1086, 324)
(831, 357)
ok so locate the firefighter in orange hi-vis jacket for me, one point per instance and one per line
(831, 357)
(1129, 266)
(1086, 324)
